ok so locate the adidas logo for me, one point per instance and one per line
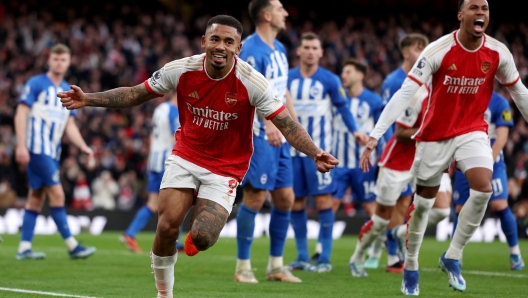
(452, 67)
(194, 94)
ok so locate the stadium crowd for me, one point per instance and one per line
(121, 45)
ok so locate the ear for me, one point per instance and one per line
(459, 16)
(266, 15)
(405, 53)
(321, 53)
(203, 41)
(238, 49)
(298, 51)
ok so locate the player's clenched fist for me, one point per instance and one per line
(365, 161)
(325, 161)
(72, 99)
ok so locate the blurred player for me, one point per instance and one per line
(271, 167)
(460, 69)
(314, 91)
(40, 122)
(217, 95)
(499, 119)
(165, 122)
(411, 46)
(366, 106)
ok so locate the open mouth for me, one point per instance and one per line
(219, 58)
(478, 25)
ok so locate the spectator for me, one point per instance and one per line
(104, 188)
(82, 198)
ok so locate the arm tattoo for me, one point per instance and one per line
(207, 221)
(123, 97)
(296, 135)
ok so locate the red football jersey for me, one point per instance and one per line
(399, 156)
(216, 115)
(461, 83)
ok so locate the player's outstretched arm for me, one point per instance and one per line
(117, 98)
(297, 136)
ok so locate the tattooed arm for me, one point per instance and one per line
(123, 97)
(297, 136)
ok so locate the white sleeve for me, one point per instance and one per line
(507, 73)
(164, 80)
(410, 116)
(396, 106)
(519, 94)
(268, 106)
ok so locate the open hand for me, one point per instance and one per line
(361, 138)
(325, 161)
(73, 99)
(365, 161)
(274, 135)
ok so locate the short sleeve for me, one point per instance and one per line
(410, 116)
(266, 103)
(165, 80)
(29, 94)
(503, 115)
(507, 73)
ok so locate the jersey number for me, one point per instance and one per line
(496, 185)
(369, 187)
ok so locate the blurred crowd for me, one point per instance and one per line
(121, 45)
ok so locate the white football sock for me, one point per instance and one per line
(369, 232)
(402, 231)
(243, 265)
(319, 248)
(515, 250)
(163, 269)
(23, 246)
(436, 215)
(71, 243)
(275, 262)
(376, 248)
(468, 221)
(415, 229)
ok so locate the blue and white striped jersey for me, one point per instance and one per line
(366, 109)
(165, 122)
(47, 118)
(271, 63)
(313, 99)
(497, 115)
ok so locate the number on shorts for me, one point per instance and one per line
(496, 184)
(324, 179)
(369, 187)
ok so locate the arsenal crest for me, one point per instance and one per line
(231, 99)
(485, 66)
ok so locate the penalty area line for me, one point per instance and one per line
(42, 293)
(484, 273)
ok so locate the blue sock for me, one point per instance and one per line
(178, 244)
(59, 217)
(140, 220)
(455, 223)
(298, 221)
(278, 228)
(28, 225)
(326, 219)
(245, 229)
(508, 225)
(392, 246)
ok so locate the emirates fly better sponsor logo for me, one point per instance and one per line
(463, 85)
(209, 118)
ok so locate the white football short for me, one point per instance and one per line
(180, 173)
(445, 184)
(390, 185)
(470, 150)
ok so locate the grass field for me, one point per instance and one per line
(115, 272)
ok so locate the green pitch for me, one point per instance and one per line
(115, 272)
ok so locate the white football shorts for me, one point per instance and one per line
(471, 150)
(445, 184)
(390, 184)
(180, 173)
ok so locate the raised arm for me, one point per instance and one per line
(117, 98)
(297, 136)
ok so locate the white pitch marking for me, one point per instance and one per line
(42, 293)
(485, 273)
